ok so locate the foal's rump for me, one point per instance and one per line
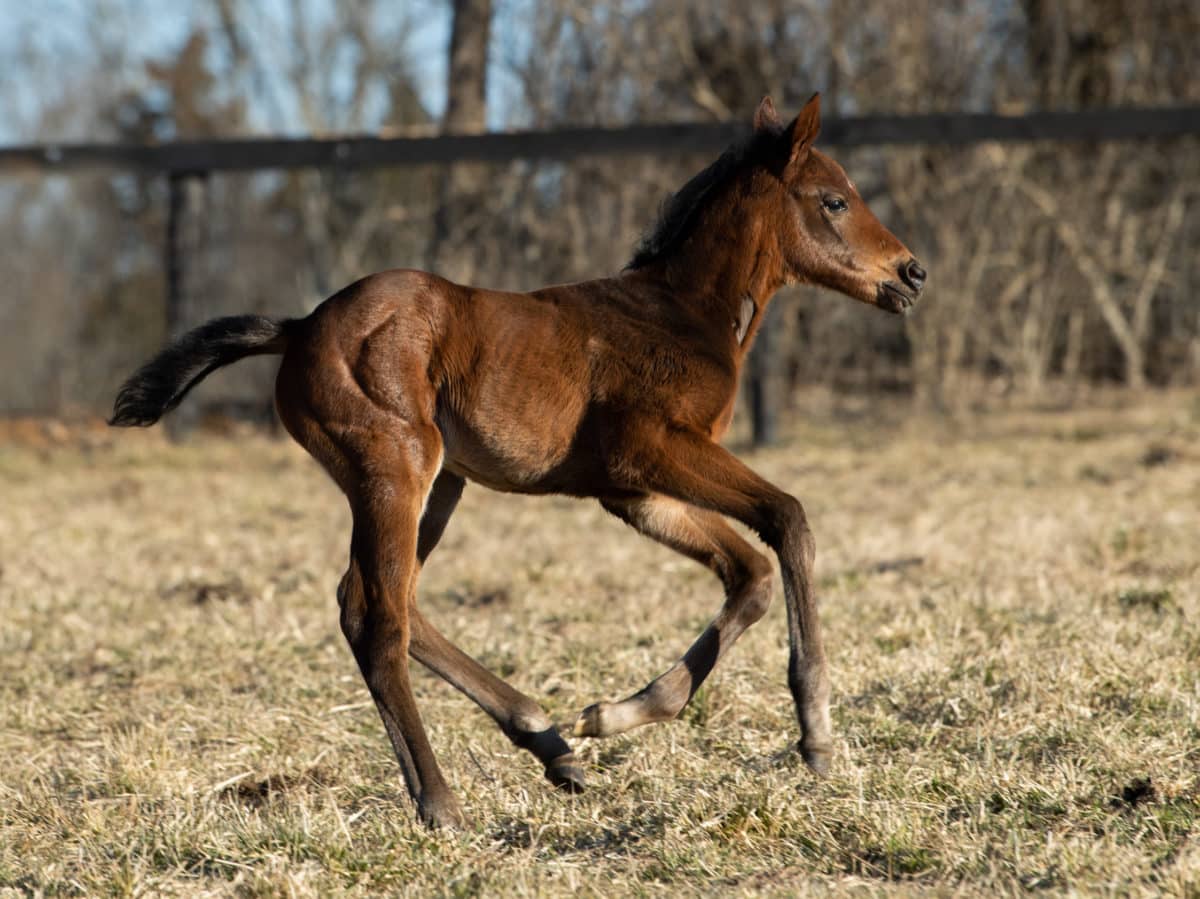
(162, 383)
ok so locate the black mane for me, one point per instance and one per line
(678, 210)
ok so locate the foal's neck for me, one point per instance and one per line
(728, 278)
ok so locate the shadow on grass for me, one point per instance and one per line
(620, 839)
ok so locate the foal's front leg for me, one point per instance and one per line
(746, 574)
(691, 467)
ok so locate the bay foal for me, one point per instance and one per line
(404, 386)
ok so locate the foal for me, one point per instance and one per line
(404, 386)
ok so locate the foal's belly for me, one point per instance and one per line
(530, 456)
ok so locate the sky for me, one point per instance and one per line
(44, 42)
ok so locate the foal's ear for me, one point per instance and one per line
(765, 117)
(803, 131)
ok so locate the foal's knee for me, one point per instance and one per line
(808, 546)
(788, 528)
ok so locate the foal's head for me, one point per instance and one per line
(780, 212)
(827, 235)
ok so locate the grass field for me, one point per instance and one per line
(1011, 607)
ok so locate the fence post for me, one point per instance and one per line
(186, 258)
(763, 379)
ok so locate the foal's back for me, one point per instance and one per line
(530, 392)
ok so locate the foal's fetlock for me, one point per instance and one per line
(534, 732)
(661, 700)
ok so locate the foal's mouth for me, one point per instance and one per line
(896, 297)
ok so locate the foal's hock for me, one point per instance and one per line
(405, 385)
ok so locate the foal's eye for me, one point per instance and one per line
(834, 204)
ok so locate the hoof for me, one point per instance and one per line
(818, 758)
(589, 724)
(441, 814)
(566, 774)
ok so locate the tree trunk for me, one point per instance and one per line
(186, 264)
(763, 379)
(466, 111)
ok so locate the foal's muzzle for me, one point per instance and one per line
(900, 295)
(913, 275)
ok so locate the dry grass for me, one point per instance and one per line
(1017, 710)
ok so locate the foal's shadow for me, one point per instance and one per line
(585, 836)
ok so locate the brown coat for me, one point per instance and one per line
(405, 385)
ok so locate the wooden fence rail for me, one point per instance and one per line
(188, 164)
(566, 143)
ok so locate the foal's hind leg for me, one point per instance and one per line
(746, 574)
(395, 473)
(521, 719)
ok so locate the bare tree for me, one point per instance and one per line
(459, 214)
(1050, 264)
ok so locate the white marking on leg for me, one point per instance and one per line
(429, 492)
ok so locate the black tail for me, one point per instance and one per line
(161, 384)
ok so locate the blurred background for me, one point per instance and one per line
(1056, 266)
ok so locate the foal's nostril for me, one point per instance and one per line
(913, 274)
